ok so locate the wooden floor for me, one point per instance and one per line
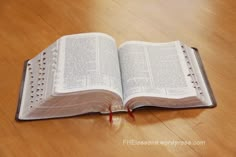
(29, 26)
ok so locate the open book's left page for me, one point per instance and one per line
(88, 61)
(86, 78)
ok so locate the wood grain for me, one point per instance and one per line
(29, 26)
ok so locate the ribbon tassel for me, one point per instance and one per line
(131, 114)
(110, 115)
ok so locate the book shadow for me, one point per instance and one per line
(142, 116)
(153, 115)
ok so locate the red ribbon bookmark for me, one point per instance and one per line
(110, 114)
(130, 114)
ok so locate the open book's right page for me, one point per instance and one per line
(154, 70)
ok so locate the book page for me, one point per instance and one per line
(154, 69)
(88, 61)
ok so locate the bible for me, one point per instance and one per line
(87, 72)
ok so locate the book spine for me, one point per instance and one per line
(21, 91)
(200, 64)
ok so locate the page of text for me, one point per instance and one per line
(89, 61)
(150, 69)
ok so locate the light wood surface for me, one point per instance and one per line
(29, 26)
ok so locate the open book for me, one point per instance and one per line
(86, 73)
